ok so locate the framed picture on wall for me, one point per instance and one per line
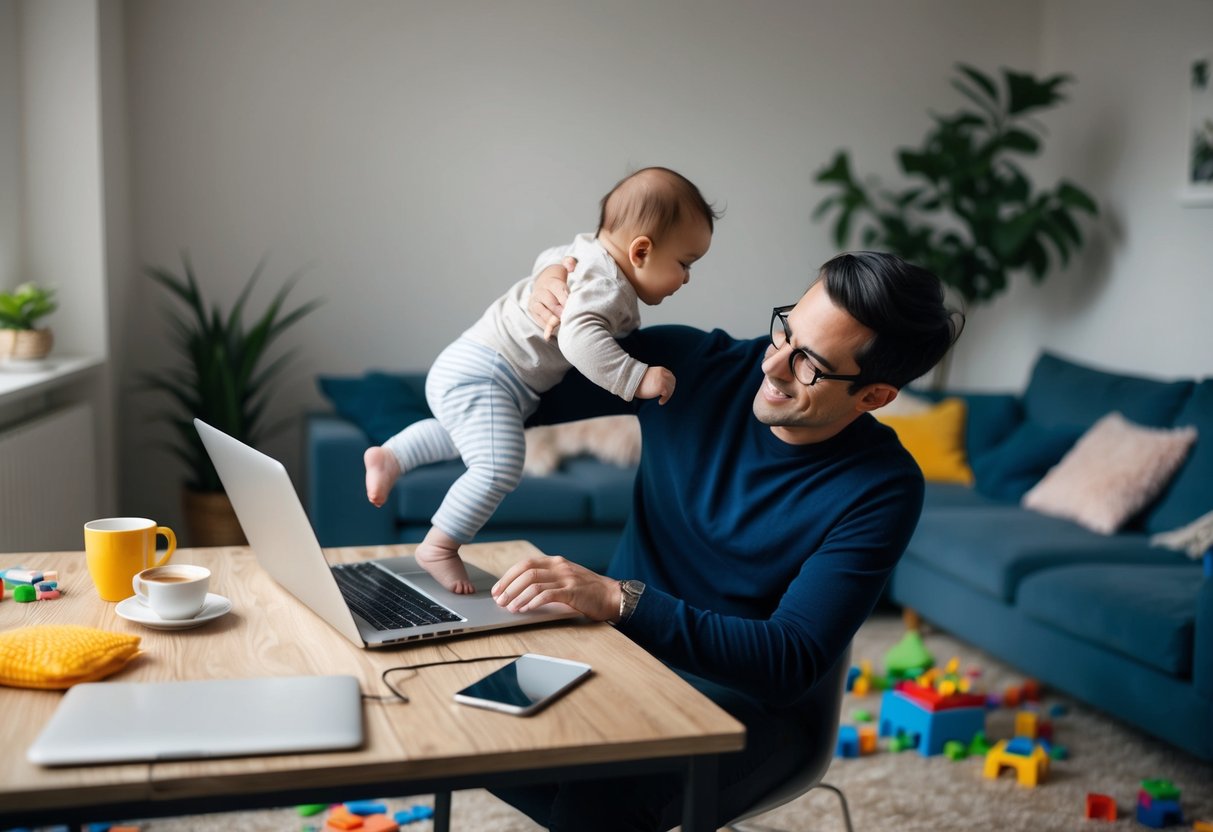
(1198, 188)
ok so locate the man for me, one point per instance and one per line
(768, 512)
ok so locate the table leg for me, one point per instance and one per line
(699, 795)
(442, 812)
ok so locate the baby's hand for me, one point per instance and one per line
(658, 383)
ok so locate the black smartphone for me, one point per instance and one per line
(525, 685)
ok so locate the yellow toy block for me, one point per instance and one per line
(1030, 769)
(1202, 826)
(861, 686)
(1026, 724)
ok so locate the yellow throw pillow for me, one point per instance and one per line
(936, 440)
(57, 656)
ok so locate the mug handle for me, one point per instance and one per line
(172, 545)
(137, 586)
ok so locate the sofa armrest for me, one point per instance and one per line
(336, 486)
(1202, 658)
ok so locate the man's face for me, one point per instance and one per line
(799, 414)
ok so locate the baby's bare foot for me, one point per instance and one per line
(446, 567)
(382, 471)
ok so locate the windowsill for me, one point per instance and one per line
(19, 380)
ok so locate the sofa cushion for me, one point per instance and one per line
(935, 437)
(1189, 496)
(557, 499)
(1114, 470)
(946, 494)
(1145, 612)
(1061, 392)
(381, 404)
(608, 488)
(993, 548)
(1008, 470)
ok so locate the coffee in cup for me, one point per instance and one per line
(175, 592)
(118, 548)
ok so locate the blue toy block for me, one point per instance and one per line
(414, 814)
(1023, 746)
(852, 675)
(1057, 710)
(928, 730)
(1209, 564)
(1159, 814)
(848, 741)
(366, 807)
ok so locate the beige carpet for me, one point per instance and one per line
(902, 792)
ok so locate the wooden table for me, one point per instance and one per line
(631, 716)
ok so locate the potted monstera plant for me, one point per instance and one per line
(21, 339)
(225, 378)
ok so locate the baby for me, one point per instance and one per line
(481, 389)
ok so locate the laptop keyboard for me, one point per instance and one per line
(385, 602)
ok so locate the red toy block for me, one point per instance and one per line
(1011, 697)
(1031, 690)
(933, 700)
(1100, 807)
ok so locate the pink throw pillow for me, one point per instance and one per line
(1111, 473)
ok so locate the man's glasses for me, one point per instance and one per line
(800, 362)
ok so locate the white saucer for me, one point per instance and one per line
(215, 606)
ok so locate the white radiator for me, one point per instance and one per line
(48, 481)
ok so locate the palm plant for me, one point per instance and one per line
(971, 214)
(223, 381)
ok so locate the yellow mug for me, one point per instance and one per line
(119, 548)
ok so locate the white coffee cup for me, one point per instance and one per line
(174, 592)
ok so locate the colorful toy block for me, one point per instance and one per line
(908, 658)
(955, 750)
(979, 746)
(902, 742)
(1100, 807)
(862, 716)
(24, 593)
(309, 809)
(1158, 804)
(414, 814)
(379, 823)
(936, 700)
(1030, 769)
(1025, 724)
(365, 807)
(867, 739)
(1202, 825)
(929, 729)
(848, 742)
(343, 819)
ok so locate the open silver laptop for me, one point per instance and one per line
(372, 603)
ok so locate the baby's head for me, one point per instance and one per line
(655, 223)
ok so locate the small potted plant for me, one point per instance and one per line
(221, 376)
(20, 310)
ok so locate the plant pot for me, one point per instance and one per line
(26, 344)
(210, 519)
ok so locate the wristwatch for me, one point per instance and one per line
(629, 596)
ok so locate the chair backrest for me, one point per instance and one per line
(826, 700)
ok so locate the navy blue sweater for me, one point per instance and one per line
(761, 559)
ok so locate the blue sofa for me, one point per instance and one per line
(578, 511)
(1110, 620)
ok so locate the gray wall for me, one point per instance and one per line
(419, 154)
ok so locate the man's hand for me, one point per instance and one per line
(657, 383)
(533, 582)
(548, 294)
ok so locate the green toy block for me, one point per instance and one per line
(24, 593)
(900, 743)
(1160, 789)
(1058, 752)
(909, 654)
(979, 746)
(862, 716)
(309, 809)
(955, 750)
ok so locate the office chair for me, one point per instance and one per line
(826, 700)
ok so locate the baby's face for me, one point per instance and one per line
(668, 266)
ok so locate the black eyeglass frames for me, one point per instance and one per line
(800, 362)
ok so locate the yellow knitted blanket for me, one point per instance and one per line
(57, 656)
